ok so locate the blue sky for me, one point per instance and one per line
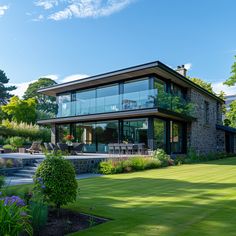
(69, 39)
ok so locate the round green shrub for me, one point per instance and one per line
(16, 141)
(55, 177)
(106, 167)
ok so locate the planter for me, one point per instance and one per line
(22, 150)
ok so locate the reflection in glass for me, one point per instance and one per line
(159, 134)
(176, 137)
(63, 130)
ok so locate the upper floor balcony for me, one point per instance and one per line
(145, 99)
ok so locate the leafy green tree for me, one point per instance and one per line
(203, 84)
(21, 110)
(45, 104)
(231, 81)
(5, 90)
(231, 114)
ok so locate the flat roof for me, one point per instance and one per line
(155, 67)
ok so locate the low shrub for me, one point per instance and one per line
(17, 142)
(2, 181)
(9, 147)
(164, 158)
(138, 163)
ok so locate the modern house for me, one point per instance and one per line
(149, 103)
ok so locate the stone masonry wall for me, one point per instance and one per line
(203, 137)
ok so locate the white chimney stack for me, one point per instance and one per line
(182, 70)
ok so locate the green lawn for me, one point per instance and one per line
(184, 200)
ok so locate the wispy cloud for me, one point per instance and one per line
(219, 86)
(3, 9)
(46, 4)
(82, 8)
(39, 18)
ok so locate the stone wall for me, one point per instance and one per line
(203, 137)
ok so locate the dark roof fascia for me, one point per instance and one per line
(135, 68)
(226, 128)
(188, 81)
(103, 75)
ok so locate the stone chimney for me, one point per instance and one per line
(182, 70)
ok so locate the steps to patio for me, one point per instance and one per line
(28, 171)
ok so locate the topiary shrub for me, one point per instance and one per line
(55, 177)
(163, 157)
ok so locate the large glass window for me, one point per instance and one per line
(85, 133)
(86, 102)
(135, 131)
(63, 130)
(106, 132)
(136, 95)
(64, 105)
(176, 137)
(159, 134)
(107, 99)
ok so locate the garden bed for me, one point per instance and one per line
(68, 222)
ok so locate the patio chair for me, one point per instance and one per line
(35, 148)
(110, 148)
(117, 148)
(123, 148)
(130, 148)
(62, 147)
(141, 148)
(78, 148)
(47, 147)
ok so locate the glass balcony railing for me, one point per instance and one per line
(124, 102)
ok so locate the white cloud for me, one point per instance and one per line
(3, 9)
(22, 87)
(82, 8)
(217, 87)
(188, 66)
(39, 18)
(46, 4)
(73, 78)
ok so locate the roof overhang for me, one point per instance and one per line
(152, 68)
(226, 128)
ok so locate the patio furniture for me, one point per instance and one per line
(62, 147)
(141, 148)
(130, 148)
(78, 148)
(111, 148)
(117, 148)
(48, 147)
(53, 147)
(35, 148)
(123, 148)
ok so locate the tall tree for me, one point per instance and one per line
(45, 103)
(5, 90)
(231, 81)
(21, 110)
(231, 114)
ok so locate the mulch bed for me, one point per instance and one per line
(68, 222)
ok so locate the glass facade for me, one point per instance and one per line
(97, 135)
(135, 130)
(159, 134)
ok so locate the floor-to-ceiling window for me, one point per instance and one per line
(176, 137)
(106, 132)
(63, 130)
(85, 133)
(159, 134)
(135, 130)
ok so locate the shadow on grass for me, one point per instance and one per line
(159, 206)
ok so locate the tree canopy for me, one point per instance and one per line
(5, 90)
(231, 114)
(44, 103)
(21, 110)
(203, 84)
(231, 81)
